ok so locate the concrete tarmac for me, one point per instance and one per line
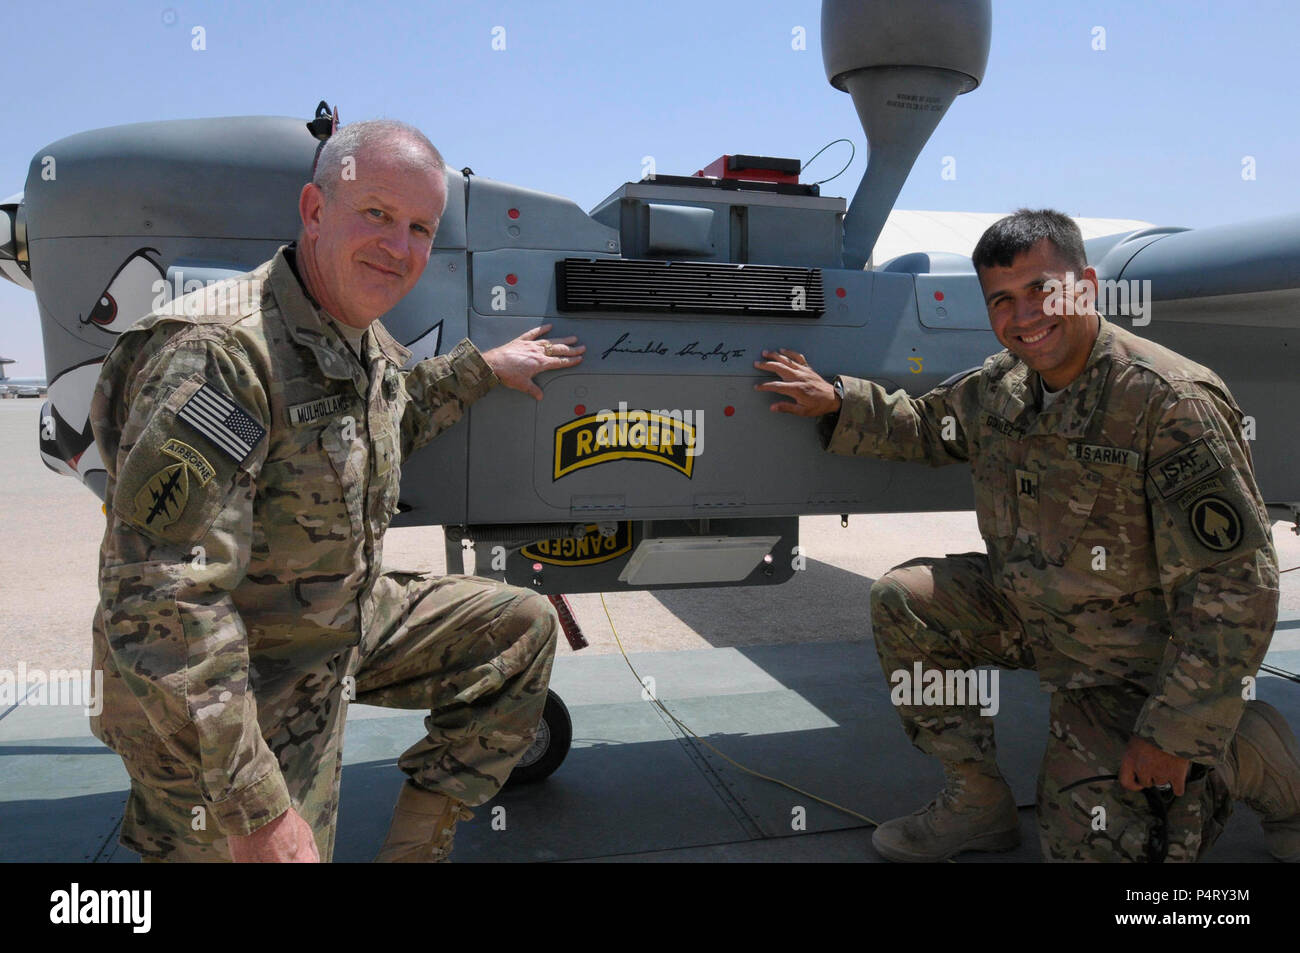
(52, 527)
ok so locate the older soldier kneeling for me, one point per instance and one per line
(270, 441)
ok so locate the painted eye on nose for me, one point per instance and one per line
(137, 288)
(105, 311)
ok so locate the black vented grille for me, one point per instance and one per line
(620, 284)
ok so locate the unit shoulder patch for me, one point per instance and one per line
(162, 499)
(1215, 523)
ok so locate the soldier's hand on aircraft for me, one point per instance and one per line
(286, 840)
(1146, 766)
(811, 395)
(517, 362)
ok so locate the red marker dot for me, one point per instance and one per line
(579, 409)
(537, 567)
(728, 410)
(513, 213)
(840, 292)
(511, 279)
(938, 296)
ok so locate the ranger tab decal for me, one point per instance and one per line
(587, 551)
(671, 438)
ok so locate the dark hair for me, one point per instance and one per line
(1022, 230)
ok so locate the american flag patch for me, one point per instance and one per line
(222, 421)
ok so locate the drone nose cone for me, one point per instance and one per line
(13, 241)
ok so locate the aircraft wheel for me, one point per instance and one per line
(554, 735)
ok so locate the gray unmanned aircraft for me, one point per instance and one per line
(675, 283)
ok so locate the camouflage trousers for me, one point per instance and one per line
(432, 639)
(948, 615)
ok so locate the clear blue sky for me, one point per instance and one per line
(1154, 127)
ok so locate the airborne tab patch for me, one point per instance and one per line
(1183, 467)
(1211, 485)
(202, 470)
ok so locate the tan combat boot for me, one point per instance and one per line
(972, 812)
(1262, 768)
(423, 826)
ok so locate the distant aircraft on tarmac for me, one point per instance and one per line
(19, 386)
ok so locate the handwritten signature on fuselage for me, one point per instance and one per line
(660, 349)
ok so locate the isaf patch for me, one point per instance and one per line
(227, 425)
(1215, 523)
(1183, 467)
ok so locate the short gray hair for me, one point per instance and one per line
(358, 138)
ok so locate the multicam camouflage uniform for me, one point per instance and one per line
(1130, 561)
(253, 466)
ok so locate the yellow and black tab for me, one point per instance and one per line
(588, 550)
(639, 435)
(197, 462)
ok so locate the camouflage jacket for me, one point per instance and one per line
(253, 467)
(1123, 522)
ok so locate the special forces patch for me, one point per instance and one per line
(162, 499)
(1215, 523)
